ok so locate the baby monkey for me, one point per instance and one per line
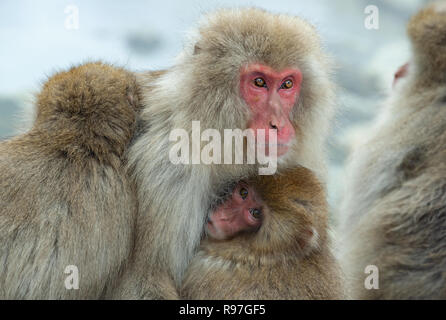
(267, 241)
(241, 213)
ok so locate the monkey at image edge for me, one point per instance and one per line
(394, 209)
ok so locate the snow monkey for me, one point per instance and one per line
(396, 195)
(240, 69)
(268, 241)
(66, 201)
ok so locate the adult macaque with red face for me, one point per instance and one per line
(271, 96)
(241, 69)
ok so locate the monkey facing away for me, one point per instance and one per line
(395, 202)
(65, 197)
(241, 69)
(268, 241)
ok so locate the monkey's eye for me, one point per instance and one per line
(256, 213)
(259, 82)
(287, 84)
(244, 193)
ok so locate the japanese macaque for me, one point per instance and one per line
(268, 241)
(396, 193)
(67, 207)
(67, 200)
(241, 213)
(241, 69)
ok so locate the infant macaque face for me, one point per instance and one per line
(242, 212)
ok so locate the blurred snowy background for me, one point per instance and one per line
(143, 34)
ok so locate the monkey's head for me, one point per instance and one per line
(242, 213)
(426, 31)
(295, 214)
(71, 101)
(280, 213)
(248, 68)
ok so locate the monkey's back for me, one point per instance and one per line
(396, 200)
(65, 197)
(398, 220)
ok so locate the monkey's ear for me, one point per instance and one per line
(197, 49)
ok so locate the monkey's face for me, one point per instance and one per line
(270, 212)
(242, 212)
(249, 69)
(271, 96)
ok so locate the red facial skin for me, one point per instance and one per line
(234, 215)
(271, 105)
(402, 72)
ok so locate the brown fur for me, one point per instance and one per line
(427, 34)
(282, 260)
(395, 201)
(203, 85)
(65, 196)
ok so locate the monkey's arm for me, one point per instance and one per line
(65, 198)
